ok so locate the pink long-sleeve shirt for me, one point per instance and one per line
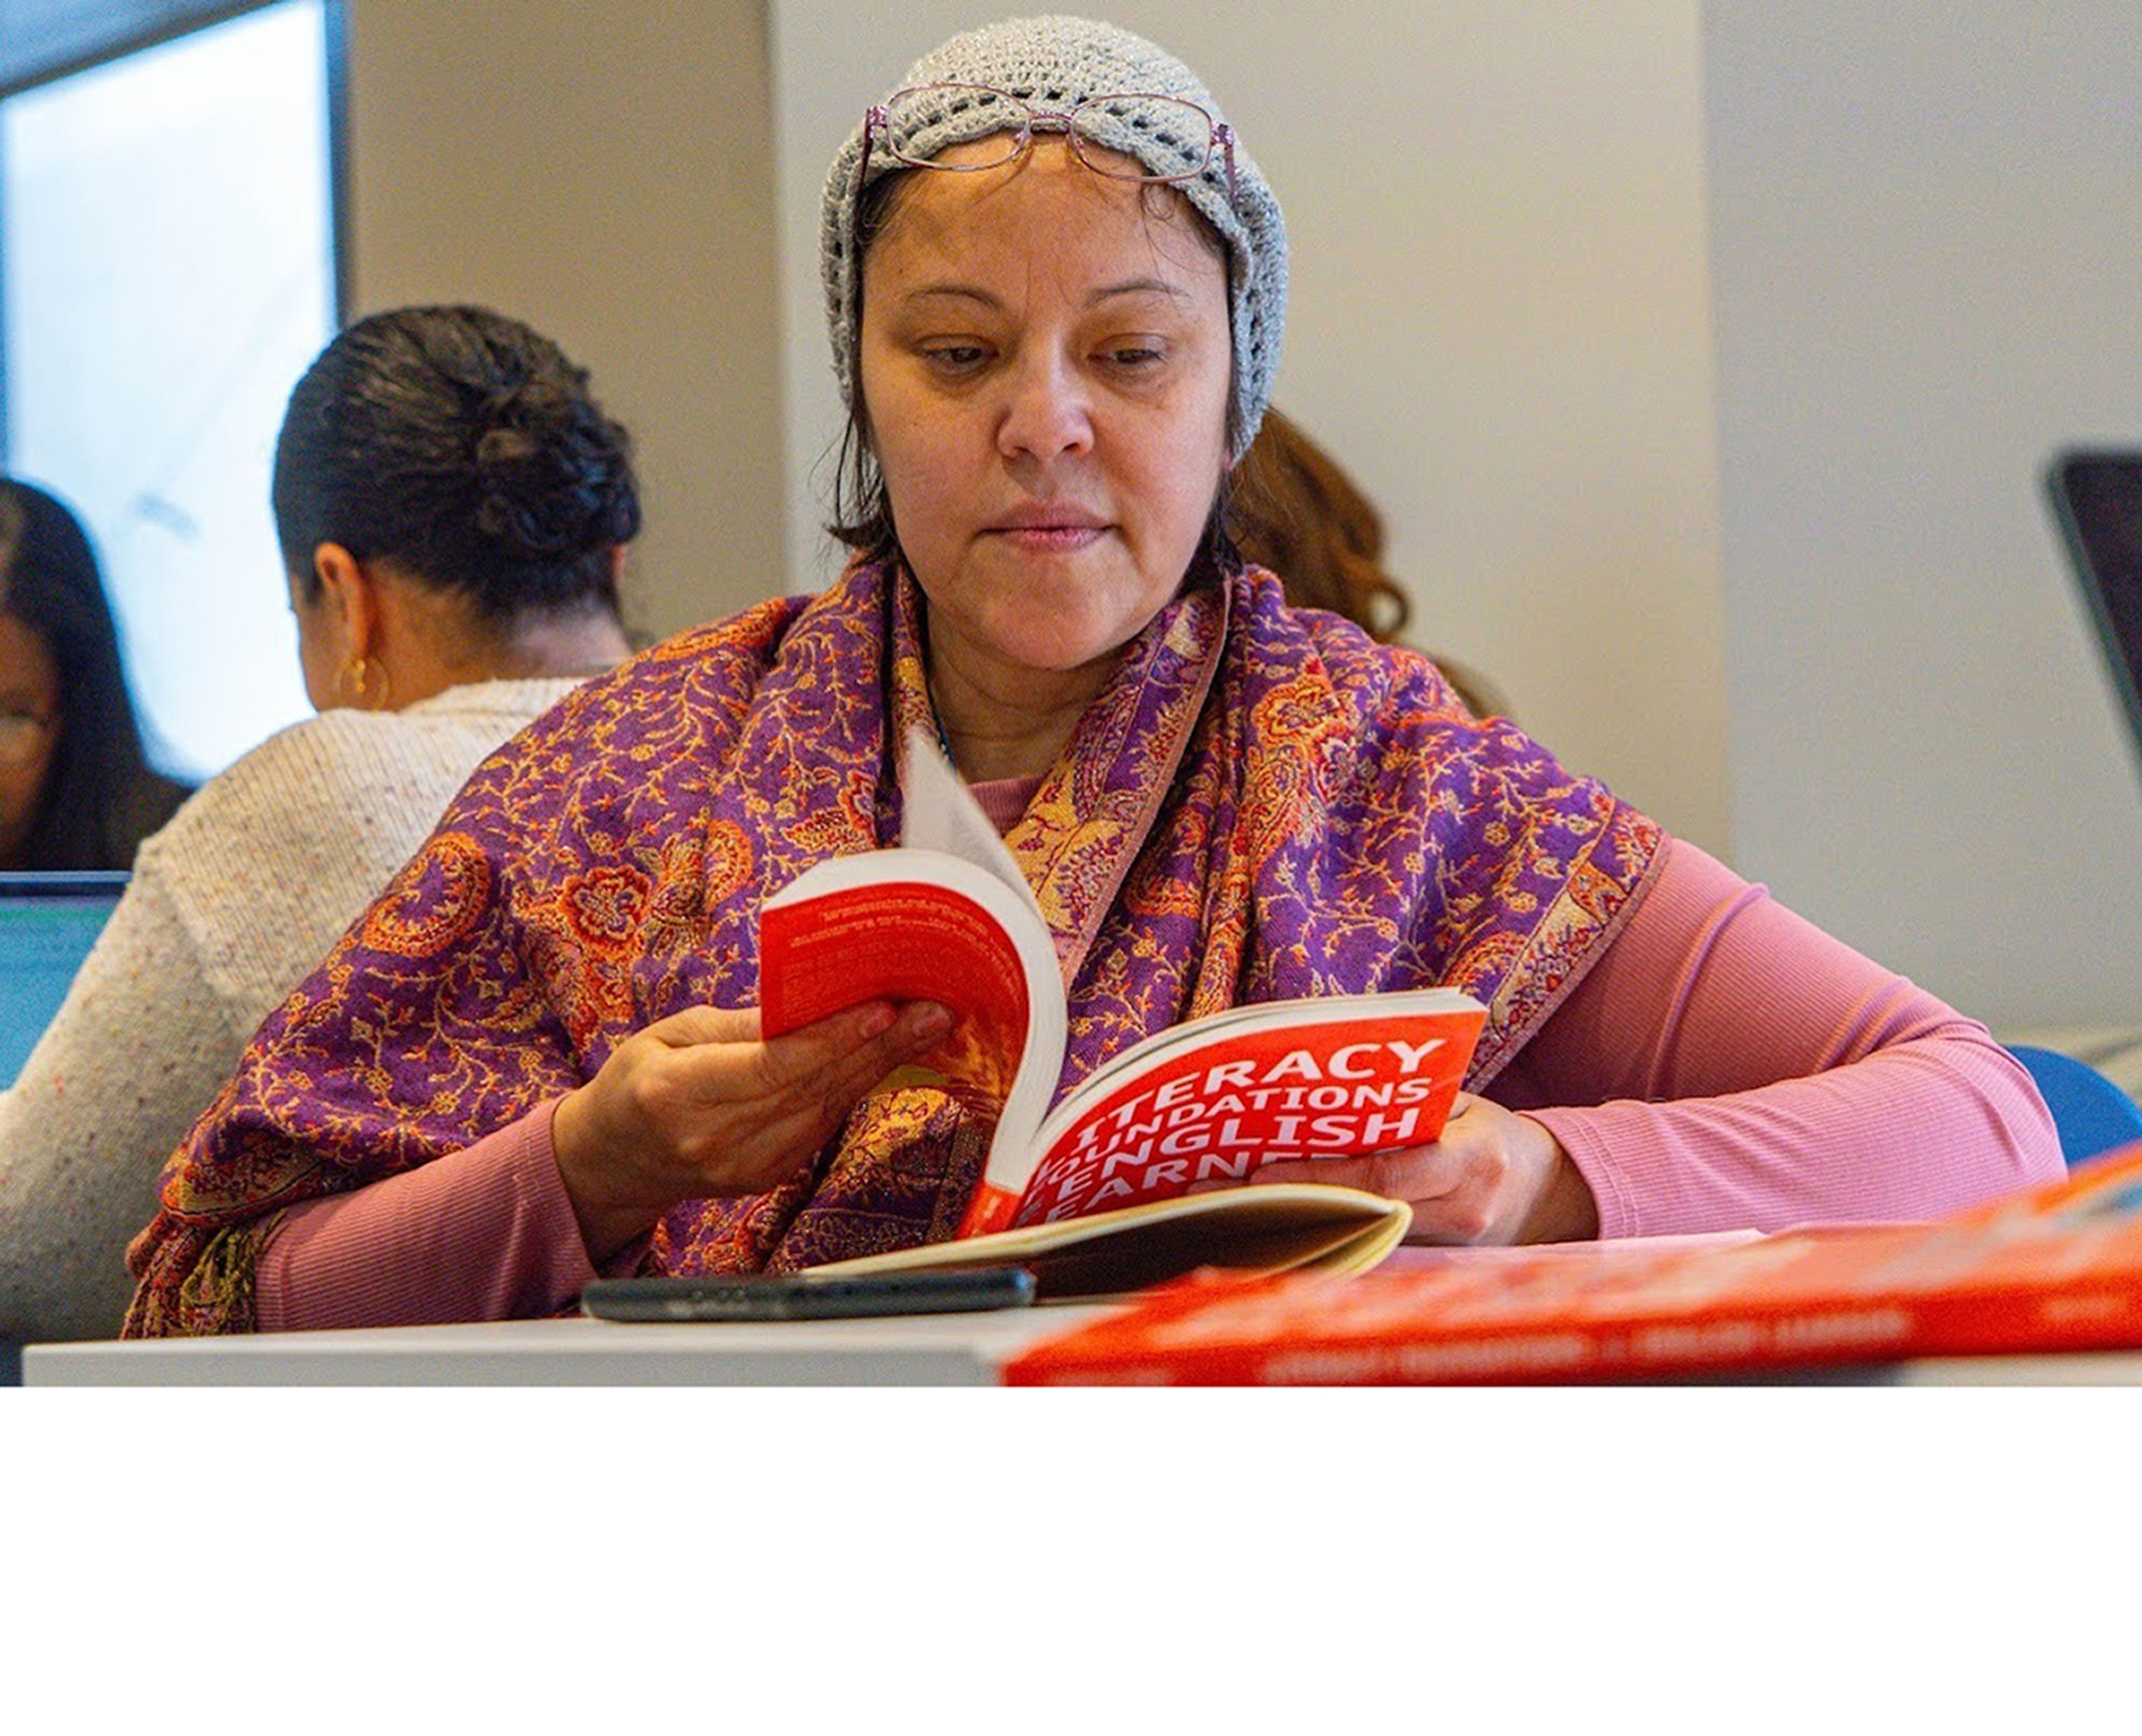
(1724, 1065)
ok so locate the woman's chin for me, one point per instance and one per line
(1053, 613)
(1060, 650)
(1044, 627)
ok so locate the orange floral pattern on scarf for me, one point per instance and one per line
(1262, 803)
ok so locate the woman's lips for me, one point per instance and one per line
(1049, 538)
(1044, 533)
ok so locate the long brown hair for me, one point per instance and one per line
(1292, 510)
(101, 797)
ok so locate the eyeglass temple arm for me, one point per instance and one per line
(874, 117)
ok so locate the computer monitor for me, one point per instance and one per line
(2097, 502)
(48, 922)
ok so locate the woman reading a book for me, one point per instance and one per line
(1055, 282)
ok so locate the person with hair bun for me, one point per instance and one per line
(453, 507)
(1055, 282)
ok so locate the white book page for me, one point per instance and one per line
(939, 813)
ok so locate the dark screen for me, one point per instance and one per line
(2098, 499)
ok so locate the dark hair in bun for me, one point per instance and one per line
(464, 448)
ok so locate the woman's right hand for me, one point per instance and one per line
(696, 1107)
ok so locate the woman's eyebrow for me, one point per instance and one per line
(953, 292)
(1139, 286)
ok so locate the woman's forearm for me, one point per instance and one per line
(485, 1234)
(1728, 1065)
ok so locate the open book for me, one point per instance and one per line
(2058, 1268)
(948, 916)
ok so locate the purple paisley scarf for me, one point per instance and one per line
(1263, 803)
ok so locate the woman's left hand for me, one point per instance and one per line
(1495, 1176)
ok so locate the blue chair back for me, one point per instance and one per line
(2092, 1114)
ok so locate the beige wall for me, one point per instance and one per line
(1928, 232)
(603, 173)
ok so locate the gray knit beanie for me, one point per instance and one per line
(1057, 63)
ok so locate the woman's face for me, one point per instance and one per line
(1045, 363)
(30, 701)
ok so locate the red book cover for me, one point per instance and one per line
(1211, 1101)
(2056, 1268)
(901, 941)
(950, 918)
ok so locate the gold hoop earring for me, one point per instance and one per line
(350, 684)
(356, 681)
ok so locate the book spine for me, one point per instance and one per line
(991, 1208)
(1881, 1328)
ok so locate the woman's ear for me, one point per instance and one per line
(350, 595)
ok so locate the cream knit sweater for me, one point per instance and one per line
(231, 906)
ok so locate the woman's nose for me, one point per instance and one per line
(1047, 415)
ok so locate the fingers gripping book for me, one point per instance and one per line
(946, 915)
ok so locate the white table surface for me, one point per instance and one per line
(952, 1349)
(912, 1351)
